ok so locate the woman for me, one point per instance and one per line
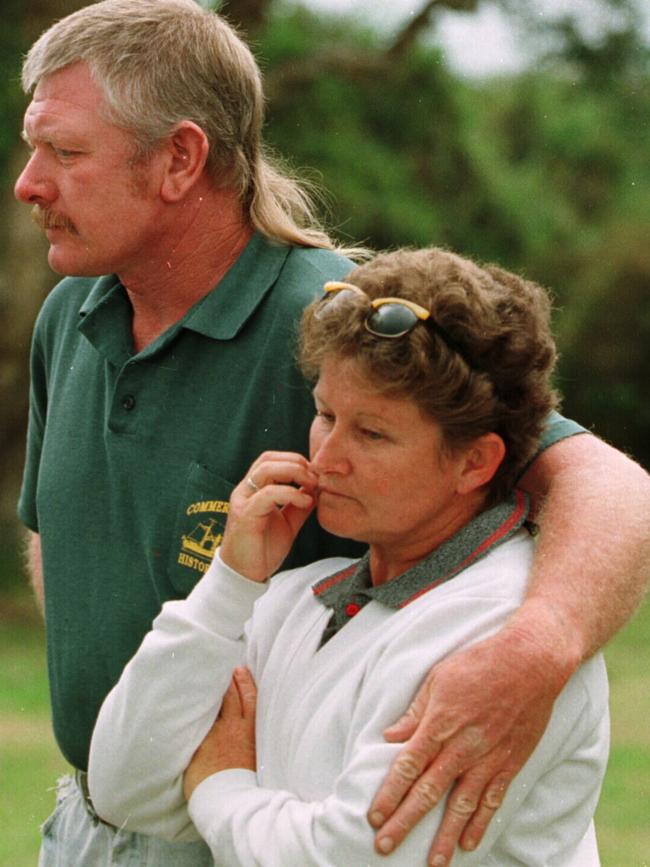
(432, 386)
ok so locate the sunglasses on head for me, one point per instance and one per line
(387, 317)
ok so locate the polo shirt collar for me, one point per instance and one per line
(347, 591)
(105, 316)
(223, 312)
(105, 320)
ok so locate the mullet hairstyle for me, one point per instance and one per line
(160, 62)
(483, 365)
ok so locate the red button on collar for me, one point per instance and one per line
(352, 608)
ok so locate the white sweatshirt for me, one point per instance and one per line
(321, 713)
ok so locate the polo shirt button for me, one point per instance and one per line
(352, 608)
(128, 402)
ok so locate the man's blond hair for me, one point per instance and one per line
(160, 62)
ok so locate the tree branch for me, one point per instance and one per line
(406, 37)
(356, 63)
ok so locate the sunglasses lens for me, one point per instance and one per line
(391, 320)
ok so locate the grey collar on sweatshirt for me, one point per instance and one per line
(347, 591)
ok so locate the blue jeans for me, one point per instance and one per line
(74, 836)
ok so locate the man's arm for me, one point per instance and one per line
(34, 562)
(593, 559)
(481, 712)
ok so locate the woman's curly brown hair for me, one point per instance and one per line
(484, 365)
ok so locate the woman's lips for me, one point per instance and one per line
(330, 493)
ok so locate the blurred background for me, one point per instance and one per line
(515, 131)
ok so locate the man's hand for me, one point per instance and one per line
(473, 724)
(230, 743)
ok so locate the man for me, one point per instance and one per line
(162, 380)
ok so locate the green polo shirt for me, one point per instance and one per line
(132, 457)
(349, 590)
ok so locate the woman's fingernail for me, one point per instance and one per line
(386, 845)
(376, 819)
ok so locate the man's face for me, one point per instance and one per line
(98, 211)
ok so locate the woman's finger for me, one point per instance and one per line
(247, 691)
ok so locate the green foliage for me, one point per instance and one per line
(580, 168)
(12, 570)
(369, 159)
(13, 43)
(546, 172)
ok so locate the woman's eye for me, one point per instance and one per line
(327, 417)
(371, 434)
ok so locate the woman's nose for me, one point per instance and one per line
(329, 455)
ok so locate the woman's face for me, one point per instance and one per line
(384, 477)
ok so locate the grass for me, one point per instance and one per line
(29, 759)
(623, 817)
(30, 762)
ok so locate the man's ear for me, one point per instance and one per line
(481, 461)
(185, 156)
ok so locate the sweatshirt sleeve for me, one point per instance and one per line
(164, 704)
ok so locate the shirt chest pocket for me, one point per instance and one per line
(200, 522)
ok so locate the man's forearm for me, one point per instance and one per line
(593, 558)
(35, 567)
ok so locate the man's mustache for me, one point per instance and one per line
(50, 220)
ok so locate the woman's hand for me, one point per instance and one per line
(230, 743)
(266, 513)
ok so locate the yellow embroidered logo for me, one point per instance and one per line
(198, 546)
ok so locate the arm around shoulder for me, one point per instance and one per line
(593, 558)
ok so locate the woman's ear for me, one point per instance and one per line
(185, 155)
(481, 461)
